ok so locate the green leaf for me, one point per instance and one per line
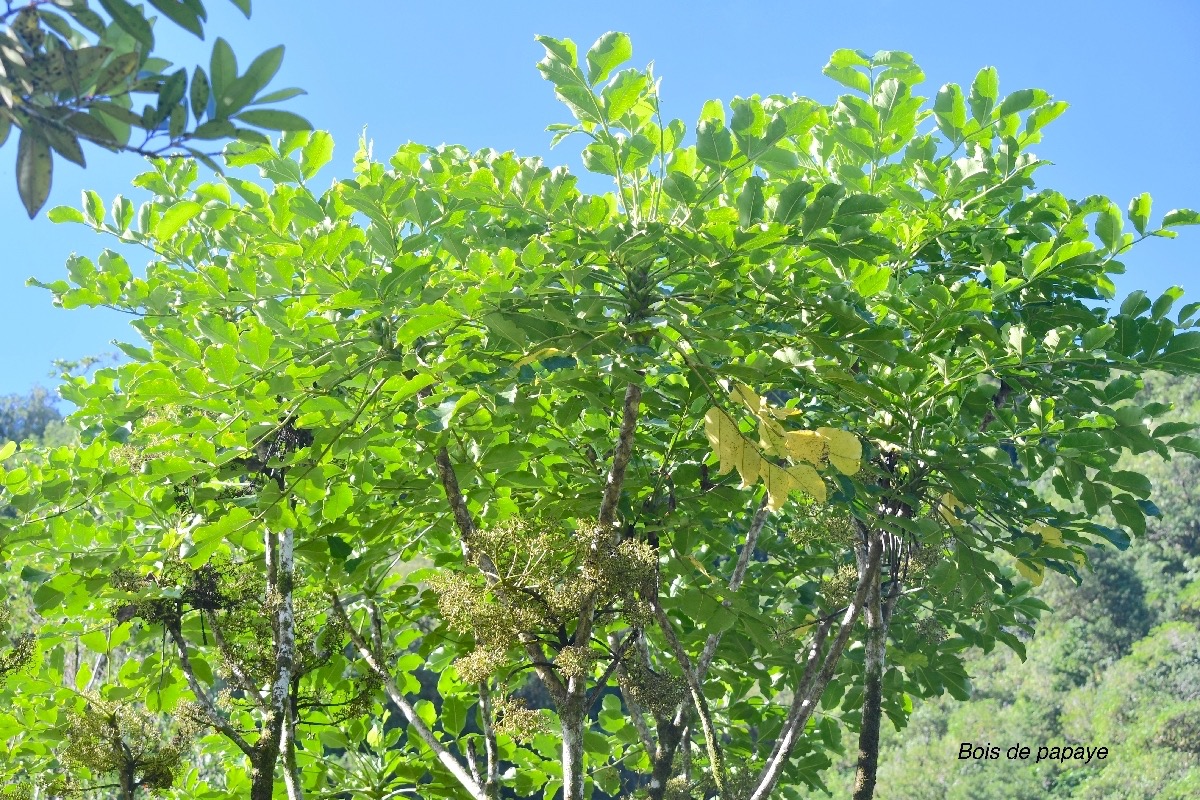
(316, 153)
(821, 210)
(222, 70)
(1181, 216)
(1128, 514)
(93, 208)
(714, 143)
(1108, 227)
(750, 202)
(115, 75)
(131, 21)
(609, 51)
(65, 214)
(243, 6)
(1139, 212)
(849, 58)
(35, 169)
(338, 499)
(175, 217)
(1118, 538)
(275, 120)
(172, 92)
(950, 112)
(1021, 100)
(849, 77)
(1162, 306)
(182, 14)
(64, 143)
(277, 96)
(263, 69)
(792, 201)
(200, 92)
(984, 91)
(221, 362)
(1182, 351)
(1132, 482)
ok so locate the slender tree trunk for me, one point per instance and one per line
(262, 775)
(571, 715)
(669, 737)
(868, 734)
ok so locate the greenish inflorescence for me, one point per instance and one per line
(534, 577)
(114, 739)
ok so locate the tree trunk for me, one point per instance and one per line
(868, 734)
(669, 737)
(262, 776)
(570, 715)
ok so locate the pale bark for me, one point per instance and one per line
(815, 680)
(416, 725)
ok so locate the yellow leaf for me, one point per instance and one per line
(948, 505)
(746, 396)
(845, 450)
(772, 437)
(726, 439)
(779, 484)
(537, 355)
(1051, 537)
(806, 479)
(1034, 574)
(750, 465)
(807, 446)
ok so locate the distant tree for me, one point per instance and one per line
(68, 76)
(27, 416)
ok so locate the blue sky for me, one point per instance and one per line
(464, 72)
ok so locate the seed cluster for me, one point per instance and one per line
(840, 588)
(819, 523)
(931, 630)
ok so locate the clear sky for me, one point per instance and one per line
(464, 72)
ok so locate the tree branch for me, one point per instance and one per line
(215, 717)
(491, 786)
(243, 680)
(416, 724)
(715, 757)
(735, 583)
(636, 713)
(805, 701)
(610, 500)
(466, 528)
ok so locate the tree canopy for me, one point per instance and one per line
(69, 76)
(456, 480)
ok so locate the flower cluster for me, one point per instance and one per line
(108, 737)
(534, 577)
(840, 588)
(515, 719)
(658, 693)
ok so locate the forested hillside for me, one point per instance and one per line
(1116, 665)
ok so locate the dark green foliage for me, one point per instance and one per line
(1117, 665)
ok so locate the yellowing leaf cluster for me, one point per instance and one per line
(812, 449)
(949, 507)
(1051, 537)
